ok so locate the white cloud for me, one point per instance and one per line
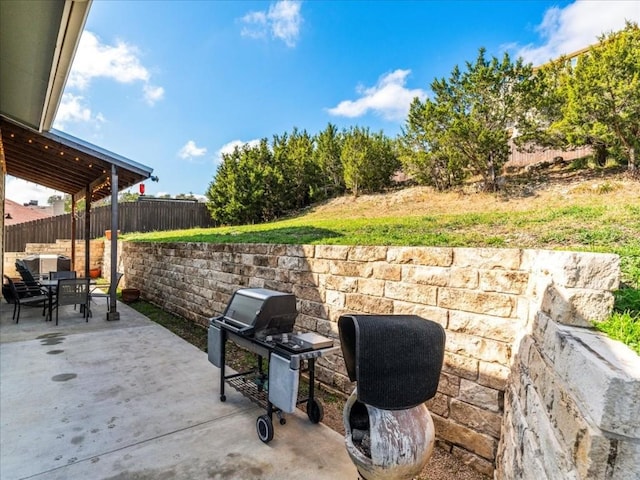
(576, 26)
(21, 191)
(153, 94)
(190, 151)
(282, 21)
(229, 147)
(120, 62)
(388, 98)
(72, 109)
(255, 25)
(285, 21)
(95, 59)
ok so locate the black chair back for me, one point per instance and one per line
(25, 273)
(72, 291)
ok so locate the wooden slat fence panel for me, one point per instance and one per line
(520, 159)
(144, 216)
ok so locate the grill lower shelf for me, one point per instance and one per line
(253, 387)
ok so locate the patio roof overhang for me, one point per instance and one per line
(65, 163)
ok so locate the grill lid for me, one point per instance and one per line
(260, 312)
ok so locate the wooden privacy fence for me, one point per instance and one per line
(141, 216)
(520, 159)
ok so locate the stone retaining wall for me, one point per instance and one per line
(491, 302)
(61, 247)
(571, 407)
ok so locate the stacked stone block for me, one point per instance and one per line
(571, 408)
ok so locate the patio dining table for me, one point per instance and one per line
(51, 286)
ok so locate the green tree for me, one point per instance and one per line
(53, 198)
(185, 196)
(278, 178)
(473, 112)
(328, 145)
(261, 183)
(368, 161)
(229, 200)
(354, 159)
(549, 91)
(80, 204)
(383, 161)
(602, 106)
(128, 197)
(302, 170)
(423, 150)
(296, 169)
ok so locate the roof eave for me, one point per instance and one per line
(97, 152)
(71, 27)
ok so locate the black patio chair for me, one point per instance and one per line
(99, 290)
(18, 294)
(28, 278)
(73, 291)
(62, 274)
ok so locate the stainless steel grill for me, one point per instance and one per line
(262, 322)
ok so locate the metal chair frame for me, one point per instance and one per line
(20, 296)
(101, 294)
(73, 291)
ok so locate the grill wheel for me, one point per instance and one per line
(315, 412)
(264, 427)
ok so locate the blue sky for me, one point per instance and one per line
(172, 84)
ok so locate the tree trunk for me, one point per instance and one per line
(492, 186)
(632, 167)
(600, 155)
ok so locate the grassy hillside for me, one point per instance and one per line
(566, 209)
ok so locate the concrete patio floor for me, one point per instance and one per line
(131, 400)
